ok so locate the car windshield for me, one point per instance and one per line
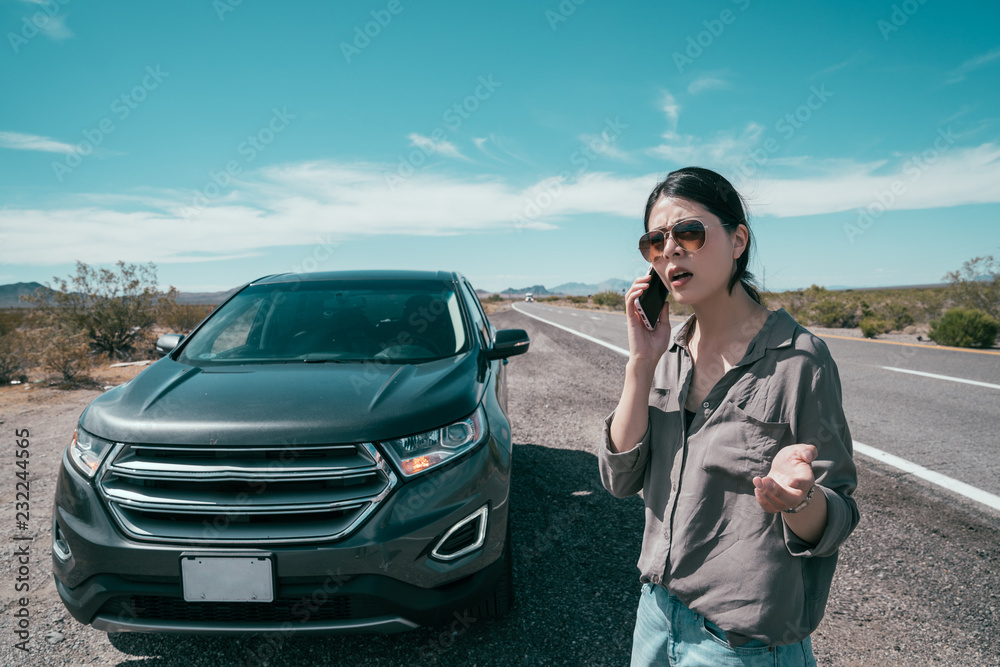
(332, 321)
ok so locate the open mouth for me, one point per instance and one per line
(680, 277)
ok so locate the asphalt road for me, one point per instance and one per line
(944, 425)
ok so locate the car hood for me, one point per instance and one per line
(304, 403)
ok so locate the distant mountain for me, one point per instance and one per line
(204, 298)
(10, 295)
(584, 289)
(841, 288)
(568, 289)
(536, 290)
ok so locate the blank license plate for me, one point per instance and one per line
(215, 579)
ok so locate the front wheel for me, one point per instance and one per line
(499, 600)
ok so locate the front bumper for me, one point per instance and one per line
(379, 579)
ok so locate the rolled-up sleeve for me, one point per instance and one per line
(622, 473)
(821, 422)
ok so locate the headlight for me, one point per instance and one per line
(416, 453)
(87, 451)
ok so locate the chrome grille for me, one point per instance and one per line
(236, 495)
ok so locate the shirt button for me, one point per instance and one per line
(705, 404)
(655, 579)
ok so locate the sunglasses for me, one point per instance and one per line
(688, 234)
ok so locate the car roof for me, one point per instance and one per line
(364, 275)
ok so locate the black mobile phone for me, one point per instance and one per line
(652, 299)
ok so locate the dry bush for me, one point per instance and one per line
(114, 311)
(611, 299)
(13, 357)
(965, 327)
(977, 285)
(65, 353)
(182, 318)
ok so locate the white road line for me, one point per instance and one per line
(573, 331)
(949, 483)
(908, 467)
(943, 377)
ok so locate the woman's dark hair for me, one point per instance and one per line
(719, 197)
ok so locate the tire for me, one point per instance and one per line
(498, 602)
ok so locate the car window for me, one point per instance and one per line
(479, 321)
(237, 326)
(338, 321)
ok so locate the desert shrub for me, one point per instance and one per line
(66, 353)
(793, 302)
(835, 311)
(895, 314)
(610, 298)
(820, 306)
(494, 298)
(977, 285)
(965, 327)
(11, 319)
(927, 304)
(550, 298)
(115, 311)
(577, 299)
(13, 357)
(182, 318)
(872, 326)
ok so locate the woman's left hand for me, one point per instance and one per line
(789, 480)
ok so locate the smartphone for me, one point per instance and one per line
(651, 301)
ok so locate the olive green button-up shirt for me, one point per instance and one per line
(706, 538)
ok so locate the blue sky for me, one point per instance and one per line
(515, 142)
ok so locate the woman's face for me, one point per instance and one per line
(710, 267)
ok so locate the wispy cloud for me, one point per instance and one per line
(48, 22)
(726, 147)
(431, 146)
(703, 83)
(480, 143)
(673, 111)
(494, 146)
(33, 142)
(960, 73)
(603, 144)
(280, 205)
(856, 58)
(960, 176)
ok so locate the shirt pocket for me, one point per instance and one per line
(739, 448)
(764, 440)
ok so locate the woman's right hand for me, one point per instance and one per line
(645, 345)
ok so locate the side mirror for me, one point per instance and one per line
(507, 343)
(167, 342)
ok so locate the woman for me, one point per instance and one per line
(732, 427)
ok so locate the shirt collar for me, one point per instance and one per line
(778, 331)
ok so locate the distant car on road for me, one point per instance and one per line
(529, 297)
(326, 452)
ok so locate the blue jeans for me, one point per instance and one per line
(668, 633)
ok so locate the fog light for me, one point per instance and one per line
(464, 537)
(60, 548)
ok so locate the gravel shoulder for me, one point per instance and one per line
(918, 583)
